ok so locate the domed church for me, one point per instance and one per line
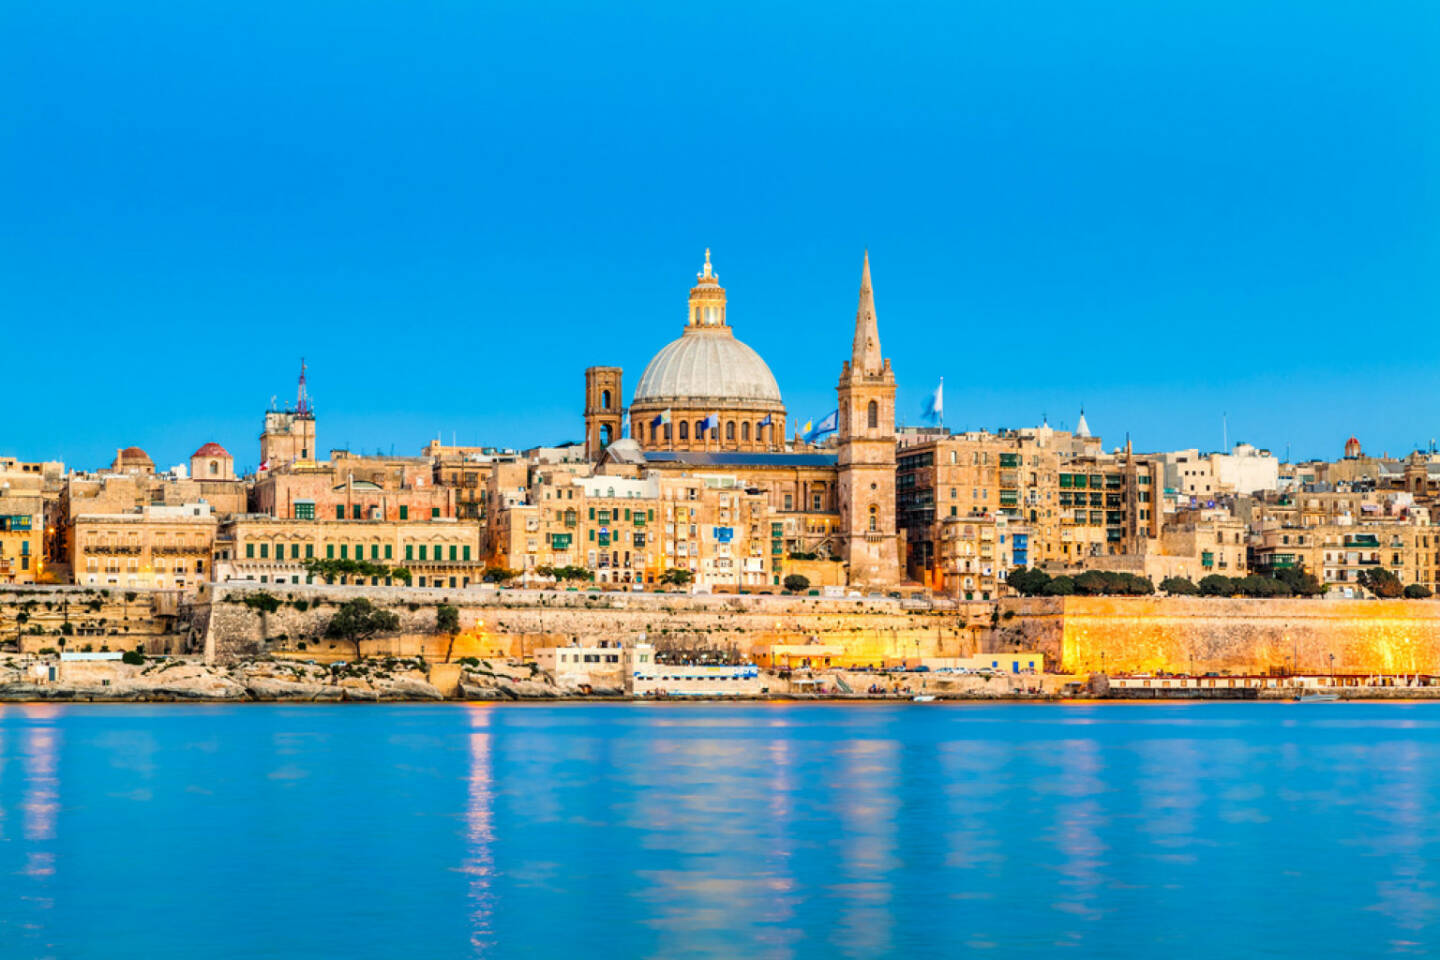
(707, 390)
(706, 400)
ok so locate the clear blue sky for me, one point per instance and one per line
(1164, 211)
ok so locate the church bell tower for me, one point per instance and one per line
(866, 460)
(604, 414)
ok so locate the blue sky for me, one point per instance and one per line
(1162, 211)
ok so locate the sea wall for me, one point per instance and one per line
(1194, 635)
(515, 623)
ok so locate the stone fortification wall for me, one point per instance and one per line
(516, 623)
(38, 617)
(1181, 634)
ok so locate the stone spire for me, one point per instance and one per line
(865, 353)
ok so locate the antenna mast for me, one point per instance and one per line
(302, 399)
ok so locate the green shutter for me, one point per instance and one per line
(329, 551)
(453, 551)
(467, 553)
(404, 513)
(387, 551)
(309, 551)
(434, 511)
(409, 551)
(250, 550)
(339, 511)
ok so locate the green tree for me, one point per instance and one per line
(1382, 583)
(500, 574)
(1417, 591)
(1061, 586)
(447, 621)
(676, 577)
(359, 620)
(1179, 587)
(1300, 583)
(1217, 586)
(797, 583)
(1028, 582)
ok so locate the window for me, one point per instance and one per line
(249, 551)
(309, 551)
(684, 430)
(339, 511)
(434, 512)
(453, 551)
(872, 415)
(604, 399)
(329, 551)
(409, 551)
(355, 511)
(304, 510)
(874, 518)
(294, 551)
(730, 430)
(422, 552)
(465, 554)
(745, 431)
(404, 513)
(344, 551)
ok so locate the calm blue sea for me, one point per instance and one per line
(708, 830)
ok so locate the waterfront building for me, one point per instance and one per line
(165, 546)
(22, 525)
(265, 549)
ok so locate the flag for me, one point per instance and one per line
(935, 407)
(625, 425)
(809, 425)
(830, 424)
(662, 417)
(265, 464)
(767, 421)
(711, 422)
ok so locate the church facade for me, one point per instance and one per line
(707, 404)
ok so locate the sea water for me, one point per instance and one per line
(719, 830)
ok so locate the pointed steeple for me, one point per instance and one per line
(1082, 429)
(865, 354)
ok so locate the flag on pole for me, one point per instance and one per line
(935, 406)
(830, 424)
(625, 425)
(662, 417)
(711, 422)
(767, 421)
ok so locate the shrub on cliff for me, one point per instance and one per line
(797, 583)
(1179, 587)
(133, 657)
(1417, 591)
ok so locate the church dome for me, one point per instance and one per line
(707, 363)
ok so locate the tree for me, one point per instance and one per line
(797, 583)
(1301, 584)
(1179, 587)
(447, 621)
(500, 574)
(676, 577)
(1028, 583)
(1061, 586)
(359, 620)
(1417, 591)
(1217, 586)
(1381, 582)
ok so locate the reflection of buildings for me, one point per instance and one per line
(479, 863)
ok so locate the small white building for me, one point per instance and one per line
(645, 677)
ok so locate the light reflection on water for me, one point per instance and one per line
(707, 830)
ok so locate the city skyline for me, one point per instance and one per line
(1162, 216)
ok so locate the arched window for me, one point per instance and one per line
(873, 415)
(604, 399)
(874, 518)
(699, 429)
(684, 429)
(730, 430)
(214, 467)
(605, 435)
(745, 431)
(667, 432)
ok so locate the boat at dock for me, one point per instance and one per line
(923, 697)
(1317, 698)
